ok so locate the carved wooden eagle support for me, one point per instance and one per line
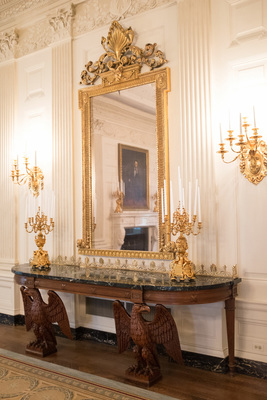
(146, 335)
(40, 316)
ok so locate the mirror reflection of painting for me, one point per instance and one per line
(133, 167)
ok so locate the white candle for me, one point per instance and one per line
(179, 185)
(171, 199)
(254, 117)
(53, 205)
(189, 206)
(165, 197)
(221, 133)
(36, 158)
(183, 205)
(229, 121)
(199, 208)
(17, 160)
(195, 204)
(240, 124)
(162, 206)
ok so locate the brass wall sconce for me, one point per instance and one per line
(33, 176)
(251, 152)
(40, 260)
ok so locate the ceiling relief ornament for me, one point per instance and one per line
(34, 38)
(122, 60)
(119, 7)
(8, 44)
(62, 23)
(94, 14)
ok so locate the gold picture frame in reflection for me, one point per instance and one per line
(134, 177)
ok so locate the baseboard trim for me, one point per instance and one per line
(6, 319)
(209, 363)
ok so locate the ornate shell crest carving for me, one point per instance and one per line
(118, 39)
(120, 54)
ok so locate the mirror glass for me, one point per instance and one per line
(124, 157)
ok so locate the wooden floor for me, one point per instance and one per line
(184, 383)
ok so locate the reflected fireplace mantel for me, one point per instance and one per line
(134, 219)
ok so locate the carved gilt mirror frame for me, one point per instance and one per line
(119, 69)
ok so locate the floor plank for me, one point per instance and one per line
(184, 383)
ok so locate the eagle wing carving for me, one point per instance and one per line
(27, 301)
(56, 312)
(163, 331)
(123, 326)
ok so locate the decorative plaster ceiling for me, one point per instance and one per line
(18, 13)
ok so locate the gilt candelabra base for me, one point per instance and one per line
(181, 269)
(40, 260)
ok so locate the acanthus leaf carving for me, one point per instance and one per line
(62, 23)
(8, 43)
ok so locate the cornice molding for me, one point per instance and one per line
(40, 23)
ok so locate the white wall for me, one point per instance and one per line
(240, 83)
(216, 51)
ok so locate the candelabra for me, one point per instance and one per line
(252, 152)
(39, 224)
(33, 176)
(119, 201)
(181, 267)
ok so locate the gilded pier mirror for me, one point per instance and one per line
(125, 150)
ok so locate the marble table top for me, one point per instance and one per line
(134, 279)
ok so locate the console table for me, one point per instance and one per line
(137, 287)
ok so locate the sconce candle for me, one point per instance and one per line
(195, 204)
(199, 208)
(221, 133)
(254, 117)
(189, 207)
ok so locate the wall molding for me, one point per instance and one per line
(254, 27)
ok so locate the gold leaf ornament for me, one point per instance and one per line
(121, 54)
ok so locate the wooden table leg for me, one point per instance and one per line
(230, 325)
